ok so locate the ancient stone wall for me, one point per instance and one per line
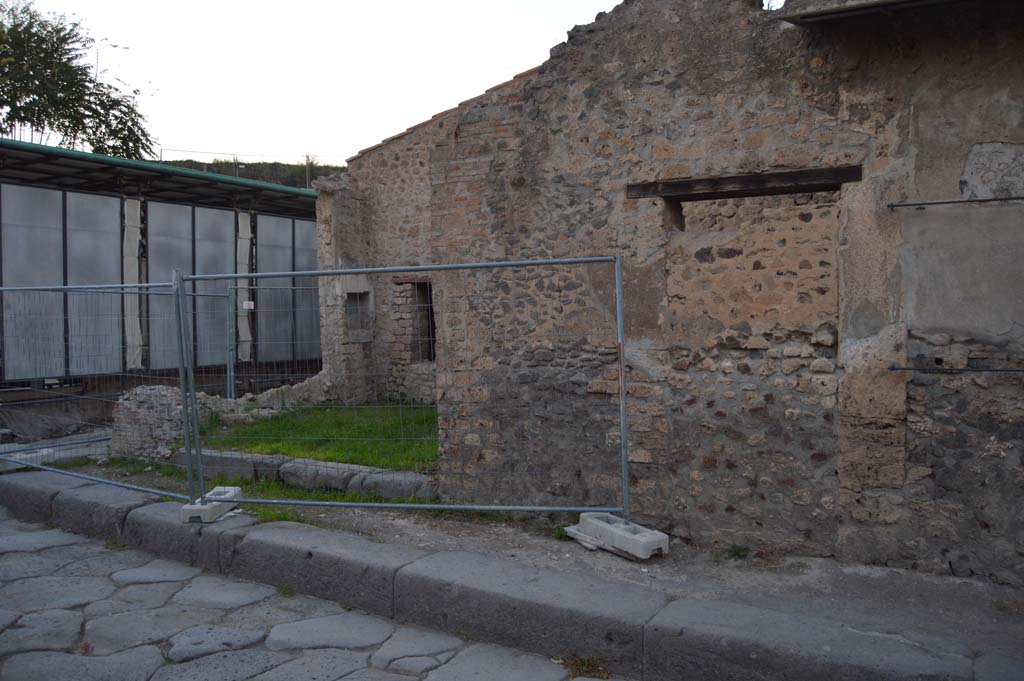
(760, 332)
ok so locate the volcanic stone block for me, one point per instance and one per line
(30, 495)
(97, 510)
(490, 599)
(728, 642)
(355, 572)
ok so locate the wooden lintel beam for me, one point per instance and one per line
(742, 186)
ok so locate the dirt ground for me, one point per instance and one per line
(910, 604)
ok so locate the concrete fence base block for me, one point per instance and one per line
(97, 510)
(348, 569)
(618, 535)
(218, 501)
(548, 612)
(727, 642)
(30, 495)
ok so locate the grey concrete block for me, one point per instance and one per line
(491, 599)
(342, 567)
(97, 510)
(727, 642)
(30, 495)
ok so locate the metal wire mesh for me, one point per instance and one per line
(68, 355)
(469, 386)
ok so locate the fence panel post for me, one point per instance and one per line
(179, 306)
(231, 343)
(620, 332)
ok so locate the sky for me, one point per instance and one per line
(273, 80)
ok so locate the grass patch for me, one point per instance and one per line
(590, 667)
(738, 552)
(384, 436)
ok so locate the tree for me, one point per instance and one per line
(47, 88)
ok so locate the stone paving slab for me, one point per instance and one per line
(156, 571)
(20, 565)
(113, 633)
(349, 630)
(204, 640)
(43, 630)
(133, 665)
(230, 666)
(219, 592)
(479, 662)
(36, 541)
(325, 664)
(134, 597)
(47, 593)
(104, 564)
(416, 650)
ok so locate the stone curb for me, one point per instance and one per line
(313, 474)
(637, 632)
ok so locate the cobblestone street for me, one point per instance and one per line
(73, 608)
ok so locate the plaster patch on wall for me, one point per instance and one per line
(993, 170)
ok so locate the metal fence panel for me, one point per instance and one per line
(33, 252)
(215, 252)
(170, 248)
(476, 386)
(274, 319)
(94, 252)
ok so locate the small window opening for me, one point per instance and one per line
(424, 348)
(358, 312)
(672, 214)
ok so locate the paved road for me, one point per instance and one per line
(72, 608)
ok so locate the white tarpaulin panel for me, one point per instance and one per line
(33, 255)
(94, 257)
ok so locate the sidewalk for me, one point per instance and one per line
(821, 623)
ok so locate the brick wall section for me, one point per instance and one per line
(760, 332)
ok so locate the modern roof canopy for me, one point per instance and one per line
(813, 11)
(57, 168)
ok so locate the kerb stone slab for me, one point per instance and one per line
(727, 642)
(543, 611)
(97, 510)
(30, 495)
(338, 566)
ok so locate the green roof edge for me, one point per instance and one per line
(153, 166)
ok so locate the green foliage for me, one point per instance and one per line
(47, 87)
(589, 667)
(738, 552)
(288, 174)
(385, 436)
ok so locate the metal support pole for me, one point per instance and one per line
(231, 358)
(196, 437)
(623, 424)
(179, 304)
